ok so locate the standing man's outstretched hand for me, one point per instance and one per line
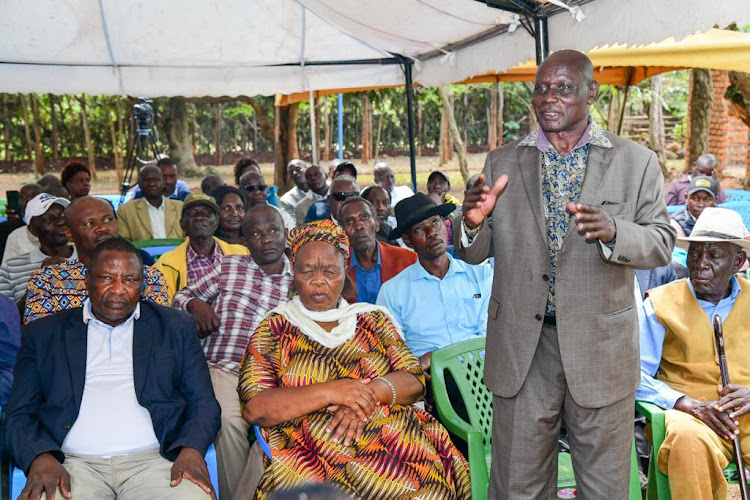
(480, 200)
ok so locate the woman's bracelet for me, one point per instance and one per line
(393, 388)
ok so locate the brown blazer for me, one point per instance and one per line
(596, 321)
(134, 223)
(393, 260)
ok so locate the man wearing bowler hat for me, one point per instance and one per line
(438, 300)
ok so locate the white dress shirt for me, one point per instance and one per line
(158, 219)
(111, 421)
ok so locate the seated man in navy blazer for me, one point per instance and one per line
(113, 400)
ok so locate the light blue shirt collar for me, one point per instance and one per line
(88, 315)
(454, 267)
(731, 298)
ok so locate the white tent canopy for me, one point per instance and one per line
(249, 47)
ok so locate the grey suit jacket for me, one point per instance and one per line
(134, 223)
(596, 321)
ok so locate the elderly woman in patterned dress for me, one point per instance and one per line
(332, 384)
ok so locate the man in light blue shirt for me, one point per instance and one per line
(439, 300)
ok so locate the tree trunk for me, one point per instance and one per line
(112, 120)
(55, 134)
(460, 147)
(378, 134)
(656, 123)
(5, 113)
(418, 127)
(492, 119)
(87, 136)
(325, 152)
(446, 143)
(285, 143)
(26, 127)
(217, 134)
(500, 110)
(612, 111)
(178, 133)
(366, 131)
(701, 105)
(38, 153)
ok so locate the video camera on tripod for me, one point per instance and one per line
(144, 140)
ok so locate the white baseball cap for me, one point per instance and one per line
(40, 204)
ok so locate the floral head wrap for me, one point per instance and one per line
(320, 230)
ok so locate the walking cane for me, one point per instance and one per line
(719, 336)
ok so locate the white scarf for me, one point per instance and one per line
(345, 314)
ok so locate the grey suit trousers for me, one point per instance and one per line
(526, 429)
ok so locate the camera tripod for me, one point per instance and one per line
(144, 142)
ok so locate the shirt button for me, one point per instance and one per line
(67, 425)
(538, 317)
(545, 277)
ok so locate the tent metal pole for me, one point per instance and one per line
(340, 119)
(313, 128)
(541, 39)
(410, 121)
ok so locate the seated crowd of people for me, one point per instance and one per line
(295, 334)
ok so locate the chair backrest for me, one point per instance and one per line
(742, 208)
(158, 247)
(465, 362)
(733, 195)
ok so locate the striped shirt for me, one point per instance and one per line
(15, 272)
(242, 295)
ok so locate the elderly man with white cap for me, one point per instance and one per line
(679, 368)
(44, 219)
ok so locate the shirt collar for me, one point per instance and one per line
(593, 135)
(286, 271)
(160, 207)
(736, 289)
(36, 255)
(192, 254)
(355, 263)
(454, 267)
(89, 315)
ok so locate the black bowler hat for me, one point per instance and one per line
(415, 209)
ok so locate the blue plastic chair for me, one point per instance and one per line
(742, 208)
(674, 208)
(733, 195)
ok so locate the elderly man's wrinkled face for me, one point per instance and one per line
(199, 221)
(428, 238)
(359, 224)
(50, 227)
(385, 177)
(379, 198)
(711, 267)
(114, 285)
(698, 201)
(439, 186)
(562, 96)
(319, 274)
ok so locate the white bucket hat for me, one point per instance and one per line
(720, 225)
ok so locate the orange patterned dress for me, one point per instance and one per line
(403, 453)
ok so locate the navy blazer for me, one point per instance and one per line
(170, 377)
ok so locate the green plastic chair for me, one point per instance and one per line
(465, 361)
(658, 483)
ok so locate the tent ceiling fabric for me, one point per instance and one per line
(249, 47)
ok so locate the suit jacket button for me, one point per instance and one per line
(67, 425)
(538, 317)
(545, 277)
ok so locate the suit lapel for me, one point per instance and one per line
(530, 165)
(142, 335)
(169, 216)
(142, 212)
(596, 171)
(76, 334)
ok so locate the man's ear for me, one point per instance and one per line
(740, 260)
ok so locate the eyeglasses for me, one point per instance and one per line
(252, 187)
(342, 195)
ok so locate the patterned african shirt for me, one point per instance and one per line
(562, 179)
(56, 288)
(197, 264)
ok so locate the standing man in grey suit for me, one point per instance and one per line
(568, 212)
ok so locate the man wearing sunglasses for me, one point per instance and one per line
(342, 187)
(253, 188)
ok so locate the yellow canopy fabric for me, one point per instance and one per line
(622, 65)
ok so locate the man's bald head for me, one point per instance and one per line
(89, 222)
(705, 165)
(572, 59)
